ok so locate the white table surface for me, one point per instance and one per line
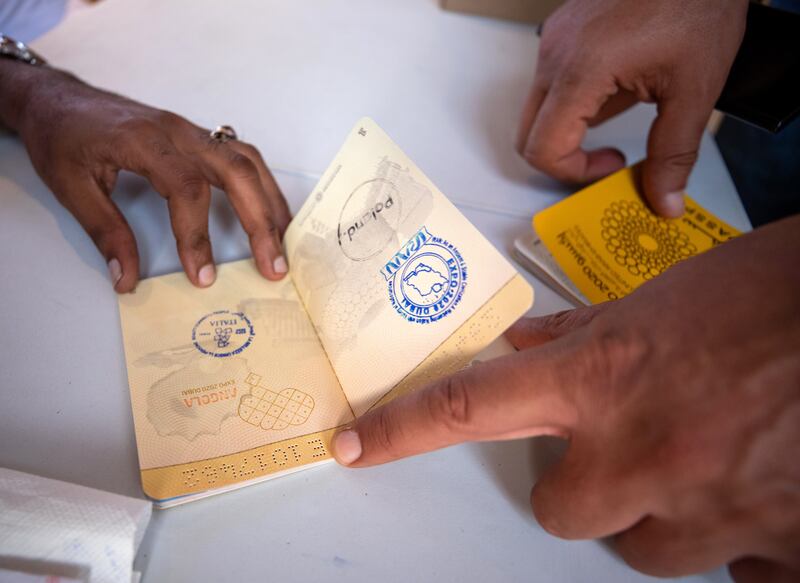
(293, 77)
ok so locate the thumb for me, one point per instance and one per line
(519, 395)
(672, 150)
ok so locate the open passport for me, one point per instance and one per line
(390, 287)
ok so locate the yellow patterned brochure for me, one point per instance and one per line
(389, 288)
(607, 242)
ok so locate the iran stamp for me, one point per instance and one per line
(426, 278)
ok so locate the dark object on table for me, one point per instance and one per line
(763, 87)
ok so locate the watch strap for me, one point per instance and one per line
(14, 49)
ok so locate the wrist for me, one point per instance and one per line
(16, 81)
(20, 83)
(22, 87)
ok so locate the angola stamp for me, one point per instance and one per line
(426, 278)
(223, 333)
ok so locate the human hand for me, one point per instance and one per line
(681, 404)
(79, 138)
(597, 58)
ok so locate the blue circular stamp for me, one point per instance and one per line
(426, 278)
(222, 333)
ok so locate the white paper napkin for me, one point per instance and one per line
(48, 527)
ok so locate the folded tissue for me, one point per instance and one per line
(55, 531)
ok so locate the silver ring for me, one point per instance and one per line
(223, 134)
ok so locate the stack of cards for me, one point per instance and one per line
(603, 242)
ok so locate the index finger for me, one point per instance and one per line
(554, 143)
(521, 395)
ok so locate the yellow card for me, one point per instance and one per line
(608, 242)
(390, 287)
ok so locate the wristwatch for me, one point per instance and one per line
(19, 51)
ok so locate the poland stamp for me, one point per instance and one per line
(369, 219)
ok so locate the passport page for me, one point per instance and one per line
(228, 383)
(392, 275)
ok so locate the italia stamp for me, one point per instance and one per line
(222, 333)
(426, 278)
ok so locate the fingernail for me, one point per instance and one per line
(673, 204)
(279, 265)
(206, 275)
(347, 447)
(114, 271)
